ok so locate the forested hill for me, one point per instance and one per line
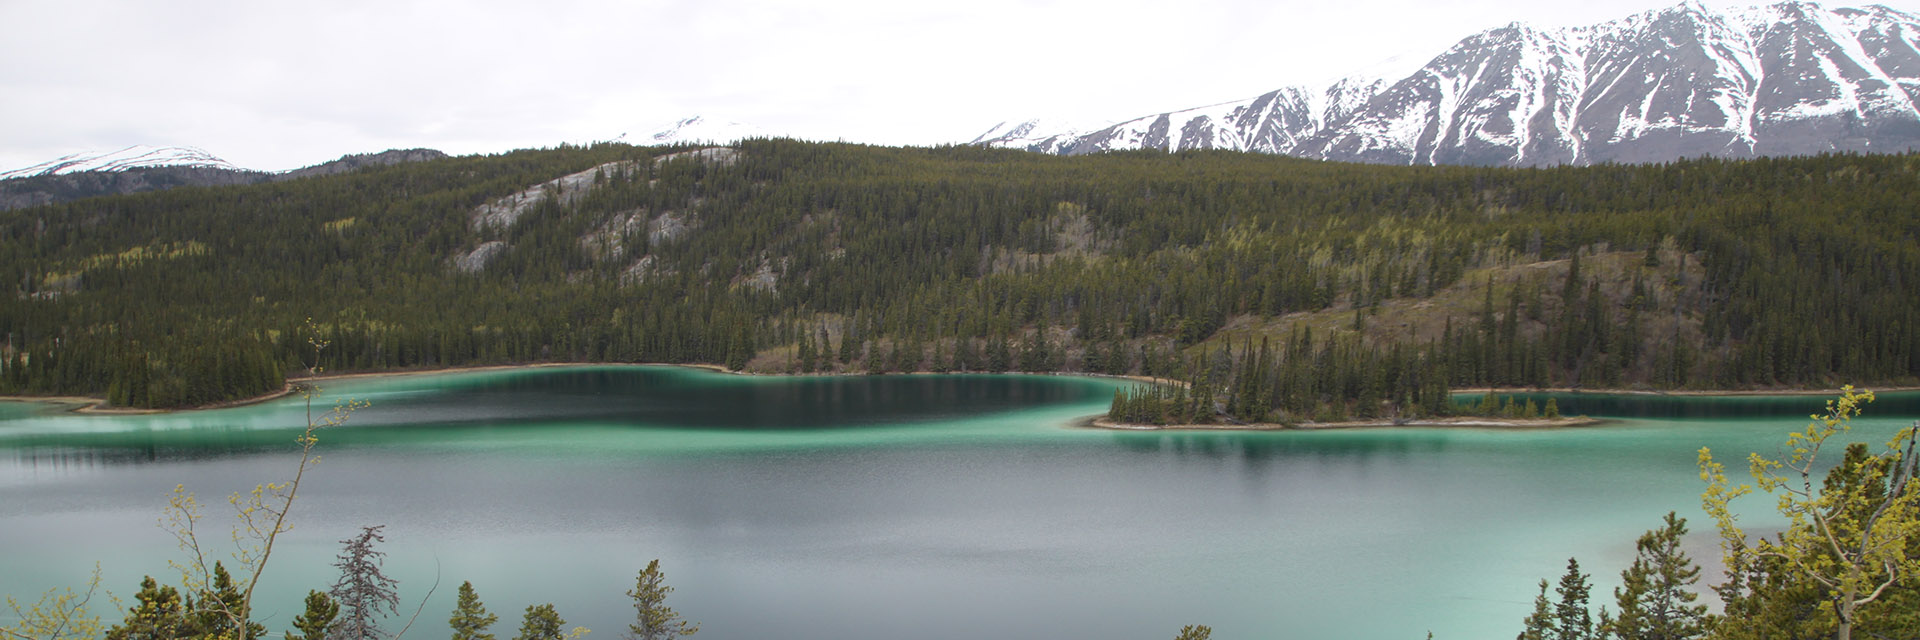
(1378, 284)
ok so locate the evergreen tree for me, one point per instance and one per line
(1572, 619)
(1655, 597)
(826, 353)
(1541, 624)
(541, 622)
(219, 605)
(158, 613)
(653, 619)
(1195, 632)
(847, 343)
(313, 623)
(470, 617)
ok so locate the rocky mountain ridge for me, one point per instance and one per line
(139, 169)
(1792, 78)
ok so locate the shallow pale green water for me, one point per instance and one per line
(881, 507)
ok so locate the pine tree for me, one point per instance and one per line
(1571, 617)
(824, 359)
(1655, 599)
(158, 613)
(541, 623)
(847, 343)
(219, 606)
(312, 624)
(1195, 632)
(803, 357)
(1540, 625)
(653, 620)
(470, 618)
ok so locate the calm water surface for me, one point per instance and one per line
(887, 507)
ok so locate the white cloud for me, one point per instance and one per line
(281, 85)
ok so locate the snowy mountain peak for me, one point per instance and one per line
(1041, 134)
(134, 157)
(698, 129)
(1789, 78)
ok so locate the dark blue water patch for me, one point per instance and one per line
(1262, 446)
(1621, 405)
(651, 397)
(527, 404)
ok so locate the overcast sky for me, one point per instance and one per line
(278, 85)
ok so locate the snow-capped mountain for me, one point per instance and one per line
(1042, 134)
(134, 157)
(140, 169)
(697, 129)
(1785, 79)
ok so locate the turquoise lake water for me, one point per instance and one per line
(888, 507)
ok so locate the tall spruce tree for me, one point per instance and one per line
(1571, 616)
(219, 606)
(313, 623)
(1541, 624)
(470, 618)
(1656, 599)
(541, 622)
(653, 619)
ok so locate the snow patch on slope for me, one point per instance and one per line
(133, 157)
(697, 130)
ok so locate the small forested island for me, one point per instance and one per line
(1286, 290)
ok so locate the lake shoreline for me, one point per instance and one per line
(1477, 422)
(1682, 393)
(97, 406)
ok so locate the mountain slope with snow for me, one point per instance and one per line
(134, 157)
(139, 169)
(1791, 78)
(698, 130)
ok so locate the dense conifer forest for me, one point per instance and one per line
(1280, 289)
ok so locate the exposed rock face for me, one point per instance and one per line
(503, 212)
(1787, 79)
(616, 237)
(722, 156)
(477, 259)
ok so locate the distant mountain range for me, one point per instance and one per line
(142, 168)
(1792, 78)
(134, 157)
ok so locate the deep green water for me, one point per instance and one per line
(888, 507)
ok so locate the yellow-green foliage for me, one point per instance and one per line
(59, 614)
(1848, 537)
(137, 255)
(129, 258)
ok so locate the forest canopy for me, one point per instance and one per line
(1376, 287)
